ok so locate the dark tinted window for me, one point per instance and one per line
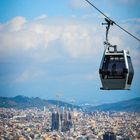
(113, 66)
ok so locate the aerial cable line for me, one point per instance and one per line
(112, 21)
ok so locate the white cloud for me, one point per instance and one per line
(43, 16)
(28, 75)
(133, 20)
(121, 2)
(16, 24)
(79, 4)
(54, 38)
(91, 77)
(128, 1)
(76, 38)
(23, 77)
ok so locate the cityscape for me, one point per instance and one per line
(54, 123)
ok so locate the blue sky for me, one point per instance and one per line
(50, 47)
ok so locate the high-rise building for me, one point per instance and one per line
(61, 121)
(44, 108)
(55, 121)
(109, 136)
(66, 121)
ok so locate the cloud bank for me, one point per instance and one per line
(47, 38)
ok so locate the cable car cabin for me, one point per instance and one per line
(116, 70)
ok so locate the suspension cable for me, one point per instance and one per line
(112, 21)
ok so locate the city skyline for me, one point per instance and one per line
(50, 47)
(76, 125)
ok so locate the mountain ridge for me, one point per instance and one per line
(23, 102)
(131, 105)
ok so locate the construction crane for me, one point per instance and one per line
(58, 100)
